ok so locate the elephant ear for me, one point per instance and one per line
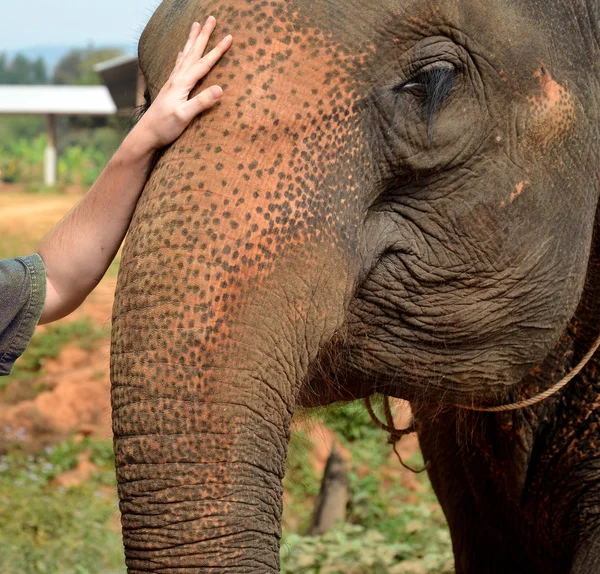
(163, 38)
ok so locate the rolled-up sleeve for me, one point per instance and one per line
(22, 297)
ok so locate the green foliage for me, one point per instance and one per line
(105, 140)
(385, 534)
(355, 550)
(357, 432)
(102, 453)
(80, 166)
(47, 529)
(299, 474)
(56, 460)
(351, 421)
(347, 550)
(20, 127)
(389, 530)
(22, 160)
(420, 525)
(48, 344)
(85, 143)
(301, 483)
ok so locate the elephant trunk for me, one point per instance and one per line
(199, 476)
(223, 303)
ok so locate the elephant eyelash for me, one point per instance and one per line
(139, 111)
(432, 85)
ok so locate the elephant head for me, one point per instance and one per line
(393, 196)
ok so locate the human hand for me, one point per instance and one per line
(172, 110)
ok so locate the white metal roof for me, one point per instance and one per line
(114, 63)
(60, 100)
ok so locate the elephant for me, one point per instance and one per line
(395, 197)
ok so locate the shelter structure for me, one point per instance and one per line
(123, 91)
(124, 80)
(52, 101)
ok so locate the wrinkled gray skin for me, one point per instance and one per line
(395, 196)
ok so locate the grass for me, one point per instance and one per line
(47, 529)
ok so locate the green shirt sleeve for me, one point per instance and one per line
(22, 298)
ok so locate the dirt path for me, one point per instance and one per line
(24, 210)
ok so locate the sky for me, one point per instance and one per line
(30, 23)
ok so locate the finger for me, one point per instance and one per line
(201, 68)
(197, 50)
(178, 61)
(203, 101)
(194, 33)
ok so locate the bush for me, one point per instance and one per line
(80, 166)
(80, 161)
(347, 550)
(22, 160)
(13, 128)
(356, 550)
(352, 422)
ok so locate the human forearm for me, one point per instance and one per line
(79, 250)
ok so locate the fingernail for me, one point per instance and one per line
(216, 92)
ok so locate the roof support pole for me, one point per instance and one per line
(51, 157)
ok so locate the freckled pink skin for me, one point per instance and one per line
(226, 260)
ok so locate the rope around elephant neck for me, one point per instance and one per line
(541, 396)
(397, 434)
(390, 427)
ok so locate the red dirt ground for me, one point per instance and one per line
(78, 397)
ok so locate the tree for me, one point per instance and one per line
(77, 67)
(4, 74)
(21, 70)
(39, 73)
(68, 69)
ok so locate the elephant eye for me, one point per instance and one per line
(431, 85)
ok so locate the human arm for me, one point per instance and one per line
(78, 251)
